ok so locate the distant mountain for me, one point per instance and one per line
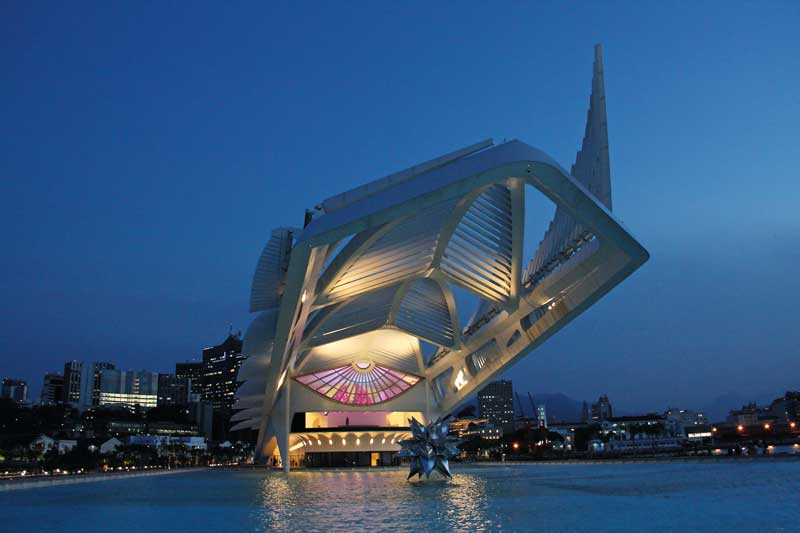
(719, 407)
(559, 406)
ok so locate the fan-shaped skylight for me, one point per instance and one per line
(362, 383)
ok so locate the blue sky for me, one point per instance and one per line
(146, 150)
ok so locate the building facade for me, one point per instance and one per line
(192, 371)
(680, 421)
(220, 372)
(541, 415)
(52, 389)
(496, 404)
(356, 311)
(173, 390)
(127, 387)
(82, 382)
(72, 382)
(14, 389)
(601, 410)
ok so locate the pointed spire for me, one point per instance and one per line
(592, 166)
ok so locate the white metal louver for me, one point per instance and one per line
(393, 348)
(405, 250)
(424, 311)
(363, 313)
(268, 279)
(478, 254)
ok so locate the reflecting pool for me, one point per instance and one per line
(755, 495)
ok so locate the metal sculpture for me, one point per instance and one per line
(430, 448)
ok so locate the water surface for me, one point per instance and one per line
(671, 496)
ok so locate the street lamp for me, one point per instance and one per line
(767, 426)
(516, 445)
(740, 428)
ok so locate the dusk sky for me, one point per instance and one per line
(147, 150)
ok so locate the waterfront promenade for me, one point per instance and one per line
(34, 482)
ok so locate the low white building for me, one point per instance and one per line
(110, 446)
(66, 445)
(160, 441)
(42, 444)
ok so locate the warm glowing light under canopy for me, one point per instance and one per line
(460, 380)
(353, 385)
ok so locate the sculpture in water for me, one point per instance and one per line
(430, 448)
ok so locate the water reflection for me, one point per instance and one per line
(278, 501)
(465, 503)
(372, 500)
(591, 497)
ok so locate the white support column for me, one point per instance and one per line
(287, 426)
(517, 188)
(281, 424)
(427, 384)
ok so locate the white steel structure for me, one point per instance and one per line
(346, 303)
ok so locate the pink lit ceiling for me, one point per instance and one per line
(359, 383)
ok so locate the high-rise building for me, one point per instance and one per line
(496, 402)
(601, 410)
(82, 382)
(72, 382)
(94, 376)
(585, 412)
(541, 415)
(202, 413)
(52, 389)
(14, 389)
(220, 370)
(192, 371)
(174, 390)
(126, 387)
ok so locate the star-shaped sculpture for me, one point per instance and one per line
(429, 448)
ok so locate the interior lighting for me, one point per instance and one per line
(460, 380)
(283, 378)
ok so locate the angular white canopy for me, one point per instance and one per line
(347, 304)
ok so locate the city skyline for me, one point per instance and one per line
(135, 238)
